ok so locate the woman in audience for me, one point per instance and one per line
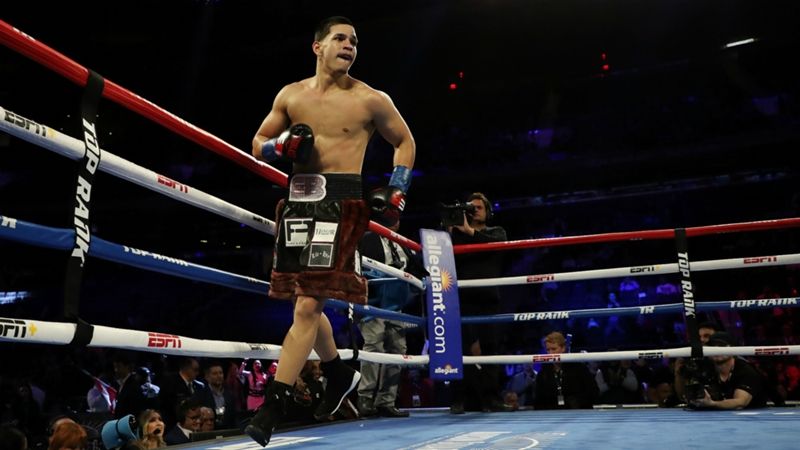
(69, 436)
(255, 381)
(151, 430)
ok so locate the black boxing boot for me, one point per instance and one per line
(269, 413)
(341, 380)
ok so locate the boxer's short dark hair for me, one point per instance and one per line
(324, 27)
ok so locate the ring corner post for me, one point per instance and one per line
(444, 312)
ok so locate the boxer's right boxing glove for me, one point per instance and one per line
(293, 145)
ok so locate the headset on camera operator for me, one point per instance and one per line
(732, 383)
(477, 339)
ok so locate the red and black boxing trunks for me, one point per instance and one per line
(318, 230)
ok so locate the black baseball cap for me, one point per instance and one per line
(721, 339)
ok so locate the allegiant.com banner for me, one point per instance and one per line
(444, 313)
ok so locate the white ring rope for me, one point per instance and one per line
(635, 271)
(72, 148)
(389, 270)
(40, 332)
(682, 352)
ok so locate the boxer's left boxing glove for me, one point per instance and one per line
(387, 203)
(293, 145)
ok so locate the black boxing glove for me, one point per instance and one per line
(387, 203)
(293, 145)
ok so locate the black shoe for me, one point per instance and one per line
(457, 408)
(391, 411)
(269, 414)
(337, 389)
(497, 406)
(366, 408)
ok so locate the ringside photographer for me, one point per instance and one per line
(732, 383)
(477, 339)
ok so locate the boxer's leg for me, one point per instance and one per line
(306, 332)
(297, 345)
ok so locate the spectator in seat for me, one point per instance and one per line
(151, 430)
(523, 384)
(254, 380)
(617, 384)
(149, 390)
(416, 391)
(307, 396)
(216, 396)
(563, 386)
(189, 419)
(130, 398)
(206, 419)
(69, 436)
(177, 387)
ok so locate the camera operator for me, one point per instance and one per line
(732, 384)
(704, 330)
(478, 339)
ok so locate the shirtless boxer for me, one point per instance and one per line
(331, 117)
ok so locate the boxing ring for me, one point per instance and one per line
(429, 430)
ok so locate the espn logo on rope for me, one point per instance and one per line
(546, 358)
(158, 340)
(540, 278)
(652, 355)
(15, 328)
(774, 351)
(763, 259)
(645, 269)
(28, 125)
(173, 184)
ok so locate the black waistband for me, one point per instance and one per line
(340, 186)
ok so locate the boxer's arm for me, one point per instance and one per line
(394, 129)
(275, 123)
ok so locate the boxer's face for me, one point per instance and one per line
(338, 49)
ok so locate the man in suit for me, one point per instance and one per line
(214, 395)
(189, 419)
(178, 386)
(130, 399)
(385, 336)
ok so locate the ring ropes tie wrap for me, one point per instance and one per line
(87, 167)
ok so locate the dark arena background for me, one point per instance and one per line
(574, 118)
